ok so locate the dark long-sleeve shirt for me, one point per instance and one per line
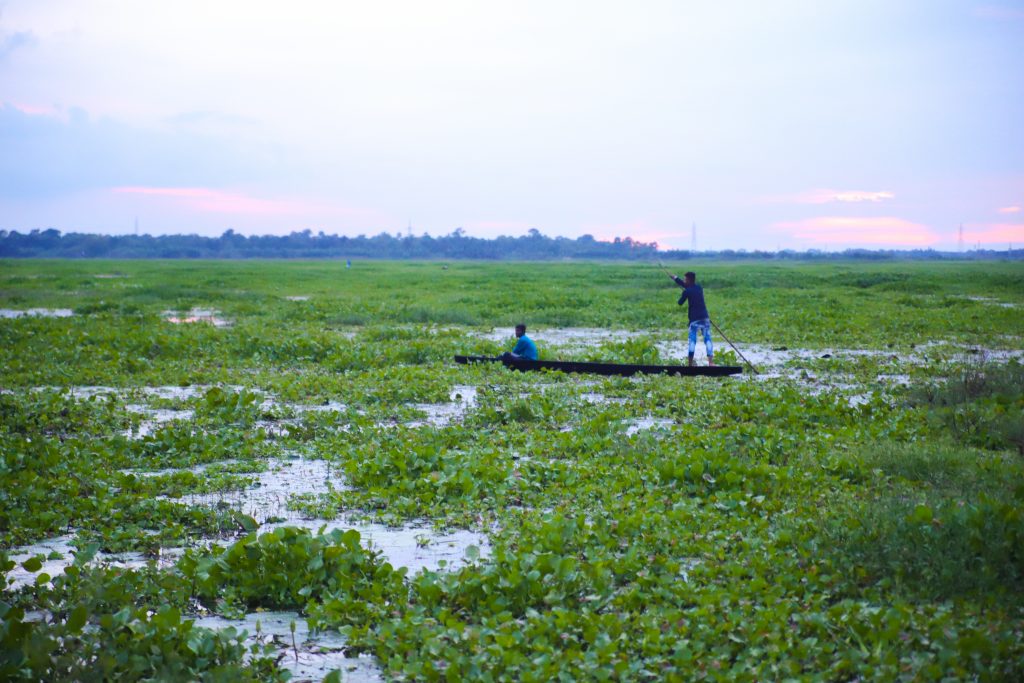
(695, 295)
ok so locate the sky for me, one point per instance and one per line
(756, 125)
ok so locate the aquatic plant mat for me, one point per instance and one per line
(272, 471)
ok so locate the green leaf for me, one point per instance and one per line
(32, 564)
(77, 618)
(86, 554)
(922, 515)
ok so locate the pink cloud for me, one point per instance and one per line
(995, 233)
(839, 230)
(826, 196)
(253, 211)
(1010, 209)
(216, 201)
(37, 110)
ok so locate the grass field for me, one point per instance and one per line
(304, 454)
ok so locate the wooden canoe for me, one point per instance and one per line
(620, 369)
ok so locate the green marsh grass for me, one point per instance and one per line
(821, 523)
(943, 522)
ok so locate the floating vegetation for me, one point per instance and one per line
(564, 336)
(323, 468)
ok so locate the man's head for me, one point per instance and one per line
(689, 278)
(520, 330)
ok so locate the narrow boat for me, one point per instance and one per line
(621, 369)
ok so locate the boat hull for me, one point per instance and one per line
(607, 369)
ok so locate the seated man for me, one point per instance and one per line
(524, 349)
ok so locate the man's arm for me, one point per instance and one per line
(679, 281)
(683, 297)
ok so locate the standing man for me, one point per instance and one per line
(699, 318)
(524, 349)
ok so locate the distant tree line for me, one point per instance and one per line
(305, 244)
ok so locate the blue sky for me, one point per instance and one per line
(784, 124)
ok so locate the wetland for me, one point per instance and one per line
(256, 470)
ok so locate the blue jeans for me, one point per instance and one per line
(705, 327)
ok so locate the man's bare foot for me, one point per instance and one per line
(711, 363)
(690, 362)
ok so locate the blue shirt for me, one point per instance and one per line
(525, 348)
(695, 295)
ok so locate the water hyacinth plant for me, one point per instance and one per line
(853, 512)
